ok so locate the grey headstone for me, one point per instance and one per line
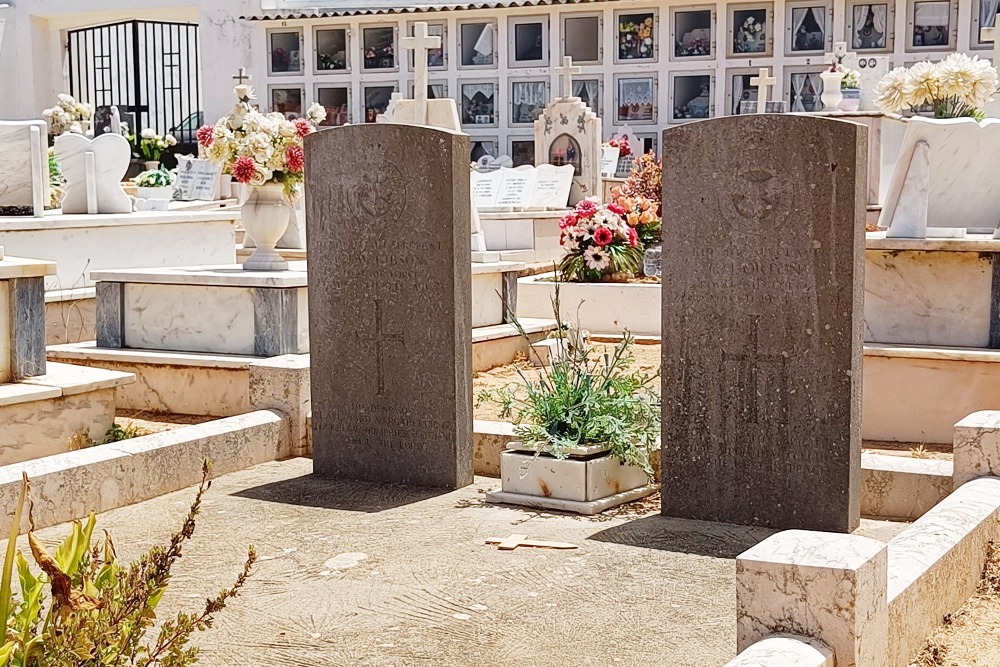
(275, 321)
(763, 260)
(110, 314)
(27, 297)
(390, 304)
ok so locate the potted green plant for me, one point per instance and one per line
(151, 146)
(155, 184)
(585, 428)
(850, 88)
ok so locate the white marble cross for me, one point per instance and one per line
(838, 55)
(242, 76)
(763, 81)
(420, 43)
(566, 73)
(992, 34)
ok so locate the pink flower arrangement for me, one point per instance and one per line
(623, 146)
(598, 243)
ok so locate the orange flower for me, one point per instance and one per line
(633, 219)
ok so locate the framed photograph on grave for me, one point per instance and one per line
(437, 59)
(479, 103)
(636, 34)
(807, 28)
(378, 49)
(692, 96)
(750, 30)
(436, 90)
(590, 91)
(477, 44)
(332, 50)
(480, 146)
(285, 50)
(929, 24)
(287, 100)
(337, 102)
(804, 87)
(522, 151)
(635, 99)
(869, 26)
(376, 100)
(581, 38)
(692, 30)
(739, 90)
(984, 15)
(527, 100)
(528, 41)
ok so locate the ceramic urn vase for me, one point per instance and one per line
(831, 96)
(266, 213)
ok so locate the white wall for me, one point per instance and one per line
(33, 54)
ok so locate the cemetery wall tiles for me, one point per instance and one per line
(692, 96)
(808, 27)
(692, 33)
(528, 41)
(930, 25)
(635, 99)
(337, 102)
(528, 98)
(870, 26)
(477, 44)
(636, 35)
(284, 52)
(379, 48)
(332, 50)
(437, 59)
(478, 103)
(751, 30)
(582, 38)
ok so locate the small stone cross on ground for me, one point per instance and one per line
(763, 81)
(991, 34)
(515, 541)
(566, 73)
(241, 76)
(420, 43)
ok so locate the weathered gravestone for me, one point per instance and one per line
(390, 304)
(762, 310)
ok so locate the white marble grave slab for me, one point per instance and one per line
(197, 179)
(485, 186)
(24, 164)
(111, 157)
(609, 160)
(961, 160)
(516, 187)
(552, 186)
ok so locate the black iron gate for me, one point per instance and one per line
(148, 69)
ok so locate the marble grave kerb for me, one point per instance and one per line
(390, 304)
(762, 317)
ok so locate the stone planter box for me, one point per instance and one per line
(588, 482)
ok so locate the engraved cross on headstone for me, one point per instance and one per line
(420, 43)
(992, 34)
(763, 81)
(566, 73)
(380, 338)
(241, 76)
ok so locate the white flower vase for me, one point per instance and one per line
(151, 165)
(265, 217)
(831, 96)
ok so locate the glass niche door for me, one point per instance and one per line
(693, 31)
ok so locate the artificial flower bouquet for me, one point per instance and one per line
(851, 80)
(598, 243)
(257, 148)
(68, 116)
(622, 144)
(151, 145)
(748, 36)
(155, 178)
(956, 87)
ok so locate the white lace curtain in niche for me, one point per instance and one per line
(988, 12)
(587, 90)
(531, 93)
(470, 90)
(738, 92)
(801, 14)
(633, 92)
(806, 83)
(879, 16)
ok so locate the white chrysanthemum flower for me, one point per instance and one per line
(148, 133)
(316, 113)
(596, 259)
(286, 128)
(984, 83)
(170, 140)
(922, 84)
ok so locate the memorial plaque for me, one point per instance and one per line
(485, 186)
(516, 187)
(197, 179)
(762, 317)
(552, 186)
(390, 316)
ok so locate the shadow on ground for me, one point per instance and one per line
(313, 491)
(718, 540)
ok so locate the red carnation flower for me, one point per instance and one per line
(206, 135)
(303, 127)
(567, 220)
(603, 236)
(243, 169)
(633, 237)
(616, 209)
(295, 158)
